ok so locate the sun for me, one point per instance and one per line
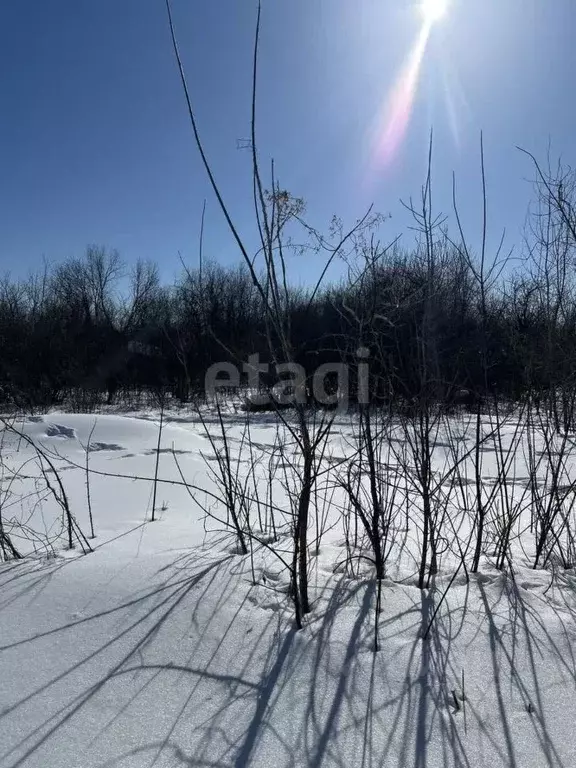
(433, 10)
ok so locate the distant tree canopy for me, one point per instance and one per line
(93, 329)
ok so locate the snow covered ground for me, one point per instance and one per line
(164, 647)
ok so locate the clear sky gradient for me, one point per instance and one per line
(96, 146)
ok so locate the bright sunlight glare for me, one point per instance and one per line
(397, 111)
(434, 10)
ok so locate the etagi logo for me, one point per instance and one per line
(328, 385)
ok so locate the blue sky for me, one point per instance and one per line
(95, 143)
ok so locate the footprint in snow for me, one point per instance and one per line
(106, 447)
(59, 430)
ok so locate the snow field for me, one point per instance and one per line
(164, 647)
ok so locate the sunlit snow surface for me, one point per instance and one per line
(159, 650)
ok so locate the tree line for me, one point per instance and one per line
(436, 320)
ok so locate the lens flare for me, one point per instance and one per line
(393, 124)
(398, 110)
